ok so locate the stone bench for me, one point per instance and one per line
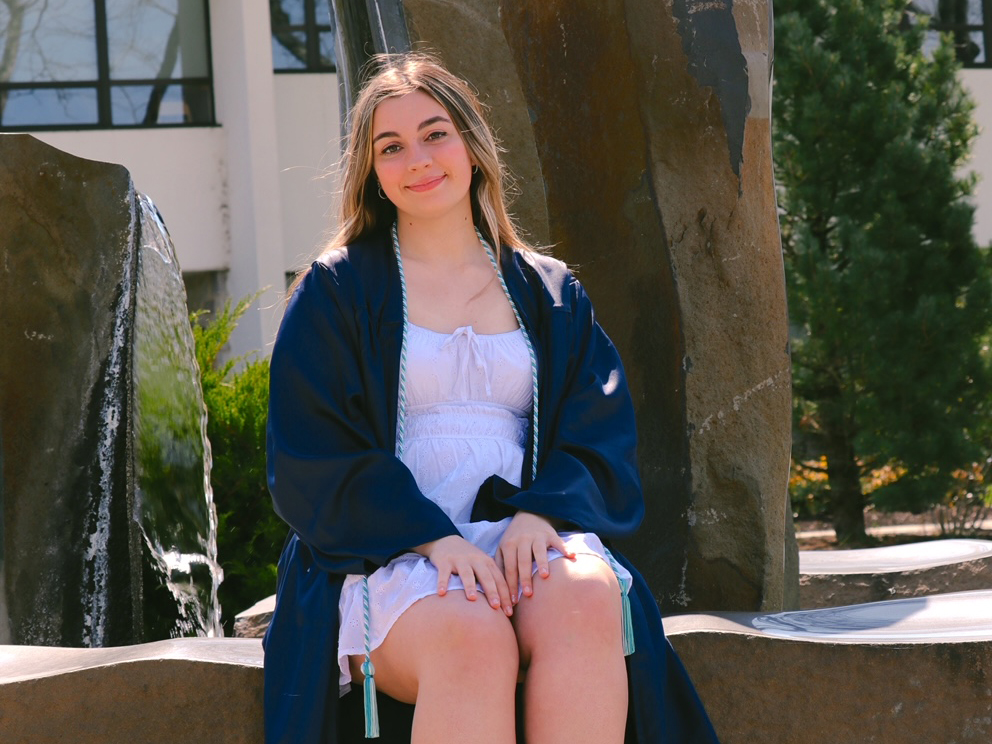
(830, 578)
(181, 690)
(898, 672)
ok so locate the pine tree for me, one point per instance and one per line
(889, 295)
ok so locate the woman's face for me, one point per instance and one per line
(419, 157)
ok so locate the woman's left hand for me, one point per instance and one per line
(526, 540)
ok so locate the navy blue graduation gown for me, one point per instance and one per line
(352, 505)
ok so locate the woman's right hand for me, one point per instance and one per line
(456, 555)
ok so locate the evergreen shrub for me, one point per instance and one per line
(249, 533)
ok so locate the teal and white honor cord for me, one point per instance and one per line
(371, 708)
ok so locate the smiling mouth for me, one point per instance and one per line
(427, 185)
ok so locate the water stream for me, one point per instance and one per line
(173, 500)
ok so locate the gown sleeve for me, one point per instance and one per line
(587, 463)
(332, 471)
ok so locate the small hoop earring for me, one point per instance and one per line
(379, 188)
(475, 169)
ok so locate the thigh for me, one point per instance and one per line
(450, 633)
(578, 603)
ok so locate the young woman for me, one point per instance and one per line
(451, 440)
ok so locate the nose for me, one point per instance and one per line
(419, 157)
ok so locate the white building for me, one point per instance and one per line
(226, 114)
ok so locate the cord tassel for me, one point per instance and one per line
(627, 619)
(628, 623)
(371, 704)
(368, 669)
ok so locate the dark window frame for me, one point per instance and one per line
(104, 85)
(965, 30)
(311, 30)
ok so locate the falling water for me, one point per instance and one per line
(173, 501)
(96, 555)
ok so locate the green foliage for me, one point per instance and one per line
(888, 292)
(236, 393)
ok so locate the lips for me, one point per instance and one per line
(427, 184)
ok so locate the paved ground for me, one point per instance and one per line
(819, 536)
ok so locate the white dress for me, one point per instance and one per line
(468, 402)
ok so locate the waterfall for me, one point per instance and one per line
(173, 500)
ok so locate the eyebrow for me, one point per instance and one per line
(423, 125)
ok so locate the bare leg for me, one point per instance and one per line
(570, 636)
(458, 661)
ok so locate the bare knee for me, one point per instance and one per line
(444, 641)
(471, 636)
(578, 606)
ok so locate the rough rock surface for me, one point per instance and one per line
(639, 135)
(65, 253)
(102, 467)
(899, 672)
(183, 690)
(830, 578)
(252, 623)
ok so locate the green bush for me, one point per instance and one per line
(249, 534)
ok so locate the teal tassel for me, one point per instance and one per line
(628, 623)
(371, 705)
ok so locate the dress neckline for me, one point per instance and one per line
(446, 334)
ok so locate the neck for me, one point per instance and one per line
(447, 241)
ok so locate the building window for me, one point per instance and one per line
(93, 64)
(302, 36)
(968, 21)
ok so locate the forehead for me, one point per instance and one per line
(406, 112)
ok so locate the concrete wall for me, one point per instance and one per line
(184, 171)
(308, 145)
(979, 84)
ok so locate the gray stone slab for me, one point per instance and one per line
(181, 690)
(252, 623)
(899, 672)
(830, 578)
(893, 558)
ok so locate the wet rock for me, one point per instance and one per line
(65, 300)
(106, 515)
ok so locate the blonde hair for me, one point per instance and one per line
(363, 212)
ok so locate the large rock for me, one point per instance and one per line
(65, 298)
(253, 622)
(828, 578)
(105, 507)
(639, 135)
(899, 672)
(183, 690)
